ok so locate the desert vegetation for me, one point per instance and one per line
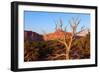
(68, 47)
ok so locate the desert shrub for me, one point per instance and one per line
(80, 48)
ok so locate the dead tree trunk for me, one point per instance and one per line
(74, 24)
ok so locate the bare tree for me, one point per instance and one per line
(73, 25)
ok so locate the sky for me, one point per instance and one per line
(44, 22)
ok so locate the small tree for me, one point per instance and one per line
(73, 25)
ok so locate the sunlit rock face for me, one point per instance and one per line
(58, 34)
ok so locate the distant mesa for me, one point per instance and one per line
(58, 34)
(33, 36)
(83, 33)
